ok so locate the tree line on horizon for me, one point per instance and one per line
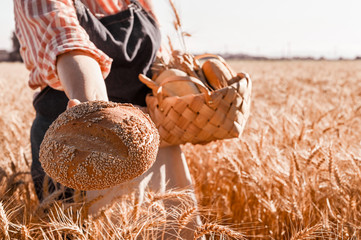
(14, 55)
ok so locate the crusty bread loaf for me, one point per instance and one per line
(97, 145)
(216, 73)
(176, 88)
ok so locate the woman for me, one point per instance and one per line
(88, 50)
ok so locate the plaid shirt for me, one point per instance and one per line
(48, 28)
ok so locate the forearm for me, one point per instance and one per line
(81, 76)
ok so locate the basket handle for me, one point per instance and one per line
(201, 87)
(209, 55)
(149, 82)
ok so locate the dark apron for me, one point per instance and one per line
(131, 38)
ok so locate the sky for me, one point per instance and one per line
(278, 28)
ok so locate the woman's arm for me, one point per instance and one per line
(81, 76)
(48, 29)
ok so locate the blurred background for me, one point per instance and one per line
(258, 28)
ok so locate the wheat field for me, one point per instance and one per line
(294, 174)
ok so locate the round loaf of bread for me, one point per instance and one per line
(97, 145)
(216, 73)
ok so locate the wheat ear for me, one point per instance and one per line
(307, 233)
(215, 228)
(185, 218)
(4, 223)
(25, 233)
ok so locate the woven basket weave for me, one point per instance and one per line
(202, 118)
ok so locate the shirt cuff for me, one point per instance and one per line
(55, 49)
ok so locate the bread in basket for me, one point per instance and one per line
(217, 109)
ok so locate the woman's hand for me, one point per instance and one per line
(72, 103)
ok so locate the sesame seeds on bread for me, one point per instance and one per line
(98, 144)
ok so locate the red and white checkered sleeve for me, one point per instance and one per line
(48, 28)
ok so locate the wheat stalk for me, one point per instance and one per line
(312, 155)
(25, 233)
(185, 217)
(249, 149)
(49, 200)
(308, 233)
(235, 168)
(4, 222)
(292, 173)
(320, 163)
(171, 194)
(63, 223)
(178, 26)
(356, 162)
(338, 178)
(215, 228)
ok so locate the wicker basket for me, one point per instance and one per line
(201, 118)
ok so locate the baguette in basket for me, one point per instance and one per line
(218, 110)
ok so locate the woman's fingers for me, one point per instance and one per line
(72, 103)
